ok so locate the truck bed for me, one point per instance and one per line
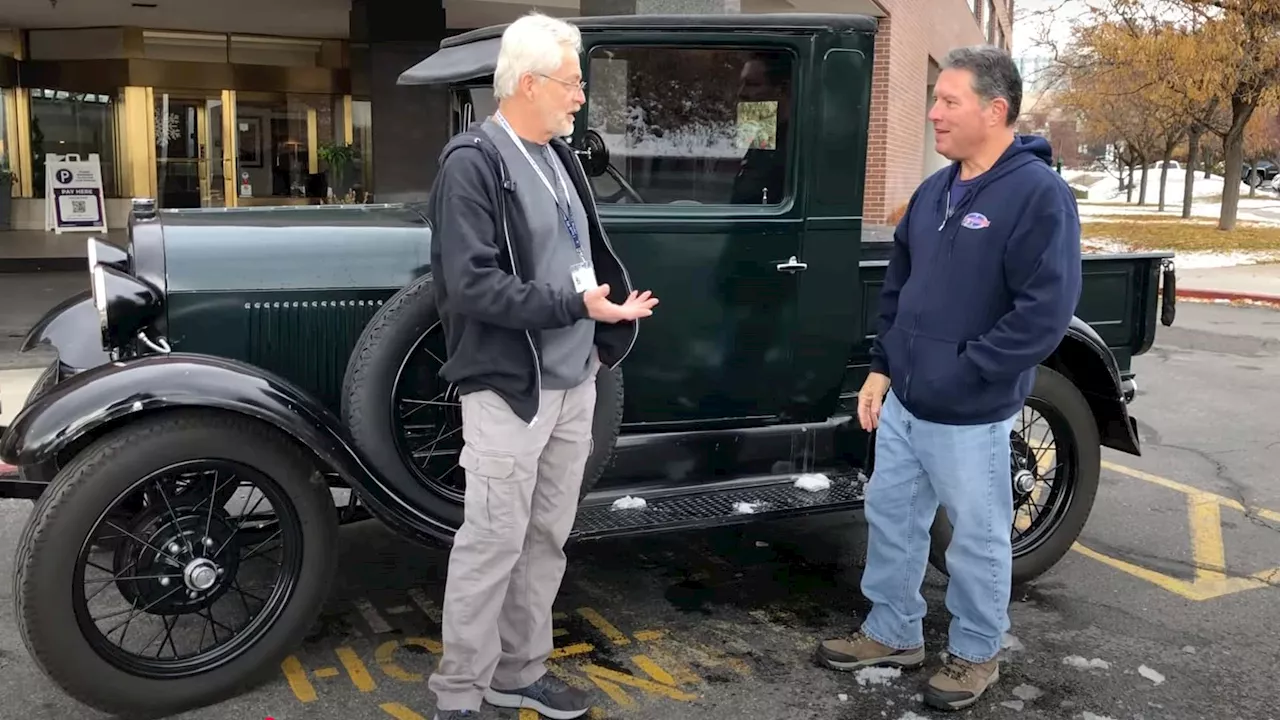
(1120, 298)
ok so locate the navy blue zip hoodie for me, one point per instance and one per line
(975, 298)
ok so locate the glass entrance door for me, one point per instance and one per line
(190, 152)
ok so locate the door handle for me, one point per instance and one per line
(792, 266)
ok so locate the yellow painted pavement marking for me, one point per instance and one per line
(615, 636)
(400, 712)
(356, 669)
(1264, 513)
(298, 681)
(1208, 551)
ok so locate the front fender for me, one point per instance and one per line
(105, 397)
(1084, 357)
(71, 327)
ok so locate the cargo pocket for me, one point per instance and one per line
(491, 493)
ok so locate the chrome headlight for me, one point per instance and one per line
(101, 252)
(124, 303)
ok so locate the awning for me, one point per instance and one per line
(455, 64)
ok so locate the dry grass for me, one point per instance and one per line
(1160, 232)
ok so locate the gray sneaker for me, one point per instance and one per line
(549, 695)
(456, 715)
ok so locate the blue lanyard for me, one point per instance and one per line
(565, 211)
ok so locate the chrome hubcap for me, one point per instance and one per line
(1024, 481)
(200, 574)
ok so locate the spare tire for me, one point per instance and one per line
(393, 399)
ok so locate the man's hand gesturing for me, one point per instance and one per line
(600, 308)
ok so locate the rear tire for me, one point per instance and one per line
(1084, 458)
(53, 611)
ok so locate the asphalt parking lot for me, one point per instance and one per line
(1169, 607)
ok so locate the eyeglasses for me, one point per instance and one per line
(582, 85)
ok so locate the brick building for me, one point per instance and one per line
(914, 36)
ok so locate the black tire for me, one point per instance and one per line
(48, 560)
(1085, 461)
(394, 335)
(42, 472)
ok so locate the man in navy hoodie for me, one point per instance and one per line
(981, 286)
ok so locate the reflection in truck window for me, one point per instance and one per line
(697, 125)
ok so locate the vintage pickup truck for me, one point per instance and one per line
(239, 382)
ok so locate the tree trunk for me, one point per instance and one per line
(1208, 163)
(1142, 186)
(1128, 195)
(1233, 159)
(1188, 191)
(1164, 171)
(1253, 173)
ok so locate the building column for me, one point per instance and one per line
(659, 7)
(410, 122)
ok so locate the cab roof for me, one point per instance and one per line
(474, 54)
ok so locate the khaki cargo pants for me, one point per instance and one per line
(508, 558)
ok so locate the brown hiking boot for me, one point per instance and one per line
(861, 651)
(960, 683)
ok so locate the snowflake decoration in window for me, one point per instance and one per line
(167, 128)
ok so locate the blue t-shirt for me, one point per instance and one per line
(960, 188)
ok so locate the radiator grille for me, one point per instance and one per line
(308, 342)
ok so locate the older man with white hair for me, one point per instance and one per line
(533, 301)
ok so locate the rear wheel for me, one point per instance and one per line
(1055, 459)
(408, 422)
(197, 594)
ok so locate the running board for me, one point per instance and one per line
(680, 509)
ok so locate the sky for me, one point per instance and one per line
(1026, 30)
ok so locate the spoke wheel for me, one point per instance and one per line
(428, 420)
(1042, 462)
(188, 586)
(406, 422)
(175, 562)
(1055, 460)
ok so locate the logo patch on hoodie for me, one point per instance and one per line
(975, 221)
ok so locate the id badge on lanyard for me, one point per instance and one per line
(582, 273)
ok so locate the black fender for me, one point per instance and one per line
(106, 397)
(1084, 357)
(71, 328)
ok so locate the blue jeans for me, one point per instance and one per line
(918, 465)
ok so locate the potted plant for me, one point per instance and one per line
(339, 157)
(7, 180)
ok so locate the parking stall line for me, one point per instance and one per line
(1208, 550)
(614, 635)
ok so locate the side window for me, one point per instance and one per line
(692, 125)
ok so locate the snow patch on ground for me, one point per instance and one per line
(1027, 692)
(629, 503)
(877, 675)
(745, 508)
(1011, 643)
(813, 482)
(1076, 661)
(1153, 675)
